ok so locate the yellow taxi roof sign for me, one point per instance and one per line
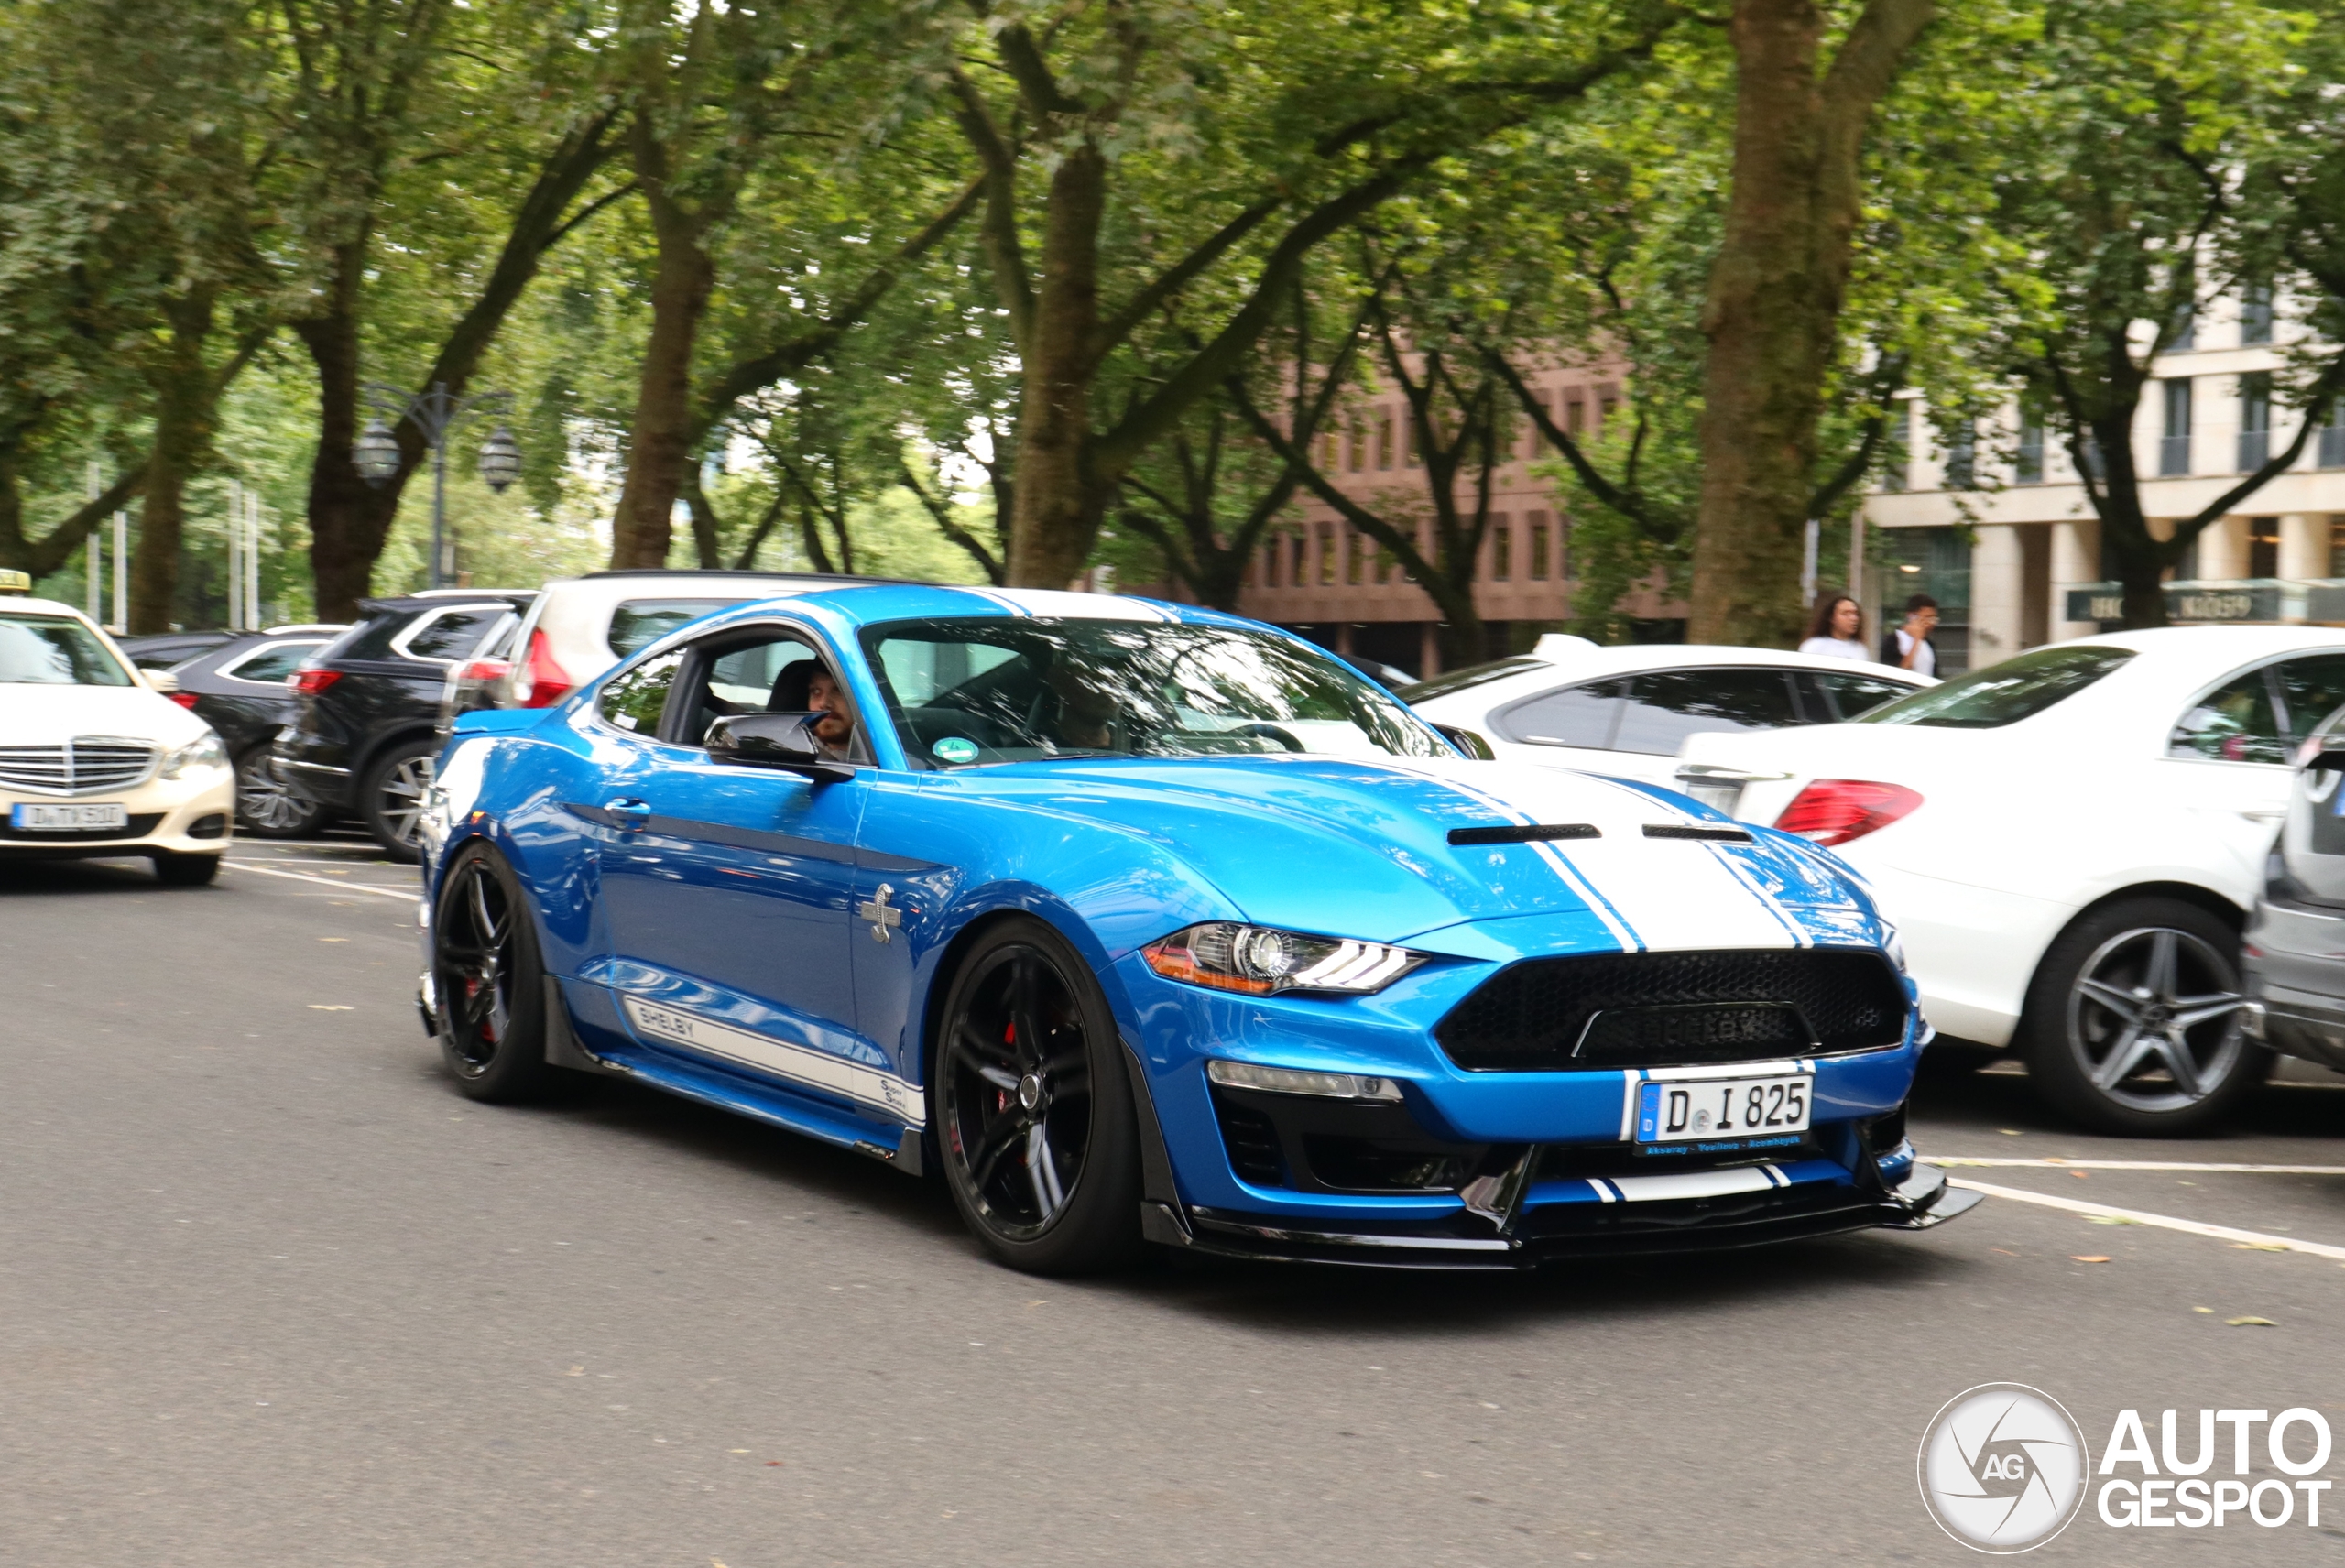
(15, 581)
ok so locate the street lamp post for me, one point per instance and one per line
(377, 451)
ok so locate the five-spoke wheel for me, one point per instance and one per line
(490, 985)
(268, 807)
(1033, 1110)
(396, 789)
(2132, 1024)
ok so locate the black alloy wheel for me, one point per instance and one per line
(396, 789)
(1033, 1110)
(2133, 1023)
(268, 807)
(489, 981)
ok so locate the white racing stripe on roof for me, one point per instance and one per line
(1066, 606)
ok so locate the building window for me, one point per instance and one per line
(1607, 399)
(1575, 414)
(2182, 333)
(1355, 556)
(2254, 422)
(1531, 437)
(1896, 460)
(2029, 469)
(1962, 457)
(1294, 561)
(1357, 458)
(2264, 546)
(1501, 552)
(1326, 558)
(2174, 447)
(2332, 436)
(1384, 441)
(1536, 523)
(1329, 454)
(2336, 545)
(2255, 314)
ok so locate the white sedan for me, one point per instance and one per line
(96, 761)
(2069, 842)
(1626, 711)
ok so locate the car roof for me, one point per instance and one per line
(867, 606)
(44, 606)
(1591, 662)
(2219, 647)
(434, 599)
(685, 573)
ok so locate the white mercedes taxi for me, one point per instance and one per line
(95, 760)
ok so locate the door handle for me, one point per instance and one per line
(632, 813)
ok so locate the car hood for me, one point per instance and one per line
(1361, 848)
(34, 714)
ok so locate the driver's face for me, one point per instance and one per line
(823, 697)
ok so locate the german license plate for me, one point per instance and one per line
(1722, 1108)
(29, 816)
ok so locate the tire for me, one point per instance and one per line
(490, 982)
(2131, 1024)
(391, 798)
(1032, 1110)
(186, 870)
(267, 806)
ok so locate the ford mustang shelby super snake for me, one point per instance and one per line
(1143, 922)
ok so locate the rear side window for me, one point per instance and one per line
(1464, 679)
(639, 623)
(370, 639)
(1577, 716)
(2003, 693)
(452, 634)
(273, 663)
(2313, 687)
(1664, 706)
(1845, 696)
(2234, 723)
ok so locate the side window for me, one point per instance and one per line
(2313, 687)
(2234, 723)
(1849, 695)
(1576, 716)
(635, 699)
(453, 634)
(1664, 706)
(273, 662)
(773, 674)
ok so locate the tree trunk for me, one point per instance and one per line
(1773, 307)
(184, 395)
(1059, 509)
(660, 443)
(349, 519)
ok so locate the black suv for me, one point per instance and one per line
(243, 689)
(362, 740)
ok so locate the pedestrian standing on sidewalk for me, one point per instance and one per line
(1909, 646)
(1838, 630)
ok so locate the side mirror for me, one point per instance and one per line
(784, 742)
(1466, 741)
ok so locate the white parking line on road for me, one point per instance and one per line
(2164, 1222)
(2056, 1163)
(324, 881)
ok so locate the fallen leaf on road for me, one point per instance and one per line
(2110, 1219)
(575, 1372)
(2006, 1251)
(2208, 1310)
(2088, 1258)
(2081, 1175)
(2010, 1132)
(333, 939)
(328, 1007)
(2257, 1247)
(2249, 1322)
(776, 1463)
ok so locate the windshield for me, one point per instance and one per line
(55, 650)
(1465, 680)
(2003, 694)
(979, 691)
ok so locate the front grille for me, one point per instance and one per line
(1252, 1141)
(1651, 1009)
(86, 765)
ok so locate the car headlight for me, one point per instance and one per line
(1258, 961)
(202, 752)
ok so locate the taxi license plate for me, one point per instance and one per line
(1723, 1108)
(39, 817)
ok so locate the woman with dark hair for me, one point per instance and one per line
(1838, 629)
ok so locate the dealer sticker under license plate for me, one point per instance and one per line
(1722, 1107)
(29, 816)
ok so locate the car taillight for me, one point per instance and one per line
(1834, 810)
(184, 699)
(540, 682)
(485, 669)
(309, 683)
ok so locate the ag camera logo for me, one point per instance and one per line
(2003, 1467)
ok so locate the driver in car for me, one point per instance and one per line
(834, 711)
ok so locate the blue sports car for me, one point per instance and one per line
(1139, 922)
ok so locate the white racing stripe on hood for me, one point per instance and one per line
(1661, 894)
(1725, 856)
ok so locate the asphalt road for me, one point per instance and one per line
(272, 1293)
